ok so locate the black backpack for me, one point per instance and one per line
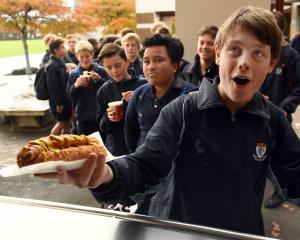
(40, 84)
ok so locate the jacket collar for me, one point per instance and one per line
(57, 60)
(178, 83)
(127, 81)
(93, 67)
(196, 64)
(210, 97)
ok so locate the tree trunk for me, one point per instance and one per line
(24, 41)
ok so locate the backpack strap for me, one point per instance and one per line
(190, 104)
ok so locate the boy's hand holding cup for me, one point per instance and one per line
(115, 111)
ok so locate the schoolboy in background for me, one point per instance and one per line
(282, 87)
(124, 31)
(160, 64)
(161, 28)
(84, 82)
(131, 43)
(119, 87)
(96, 46)
(211, 149)
(70, 57)
(204, 65)
(47, 39)
(57, 80)
(162, 58)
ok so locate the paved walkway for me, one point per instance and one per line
(10, 63)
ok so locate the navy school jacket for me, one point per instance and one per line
(144, 108)
(282, 86)
(57, 79)
(113, 132)
(211, 164)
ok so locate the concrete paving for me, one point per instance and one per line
(287, 216)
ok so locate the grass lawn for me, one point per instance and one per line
(15, 47)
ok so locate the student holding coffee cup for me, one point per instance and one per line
(113, 96)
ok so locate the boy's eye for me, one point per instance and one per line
(159, 60)
(233, 49)
(208, 43)
(259, 53)
(146, 61)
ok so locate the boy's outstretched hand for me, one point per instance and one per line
(92, 174)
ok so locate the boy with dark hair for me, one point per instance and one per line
(119, 88)
(161, 61)
(211, 149)
(57, 80)
(204, 65)
(96, 47)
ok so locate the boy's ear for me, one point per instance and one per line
(176, 66)
(272, 65)
(218, 52)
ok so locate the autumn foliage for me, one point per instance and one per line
(55, 16)
(29, 15)
(49, 16)
(113, 15)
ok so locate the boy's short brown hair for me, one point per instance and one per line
(124, 31)
(259, 21)
(55, 44)
(69, 36)
(111, 49)
(157, 26)
(131, 36)
(84, 46)
(208, 30)
(49, 38)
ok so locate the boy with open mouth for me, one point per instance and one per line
(210, 150)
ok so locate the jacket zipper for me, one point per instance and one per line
(227, 156)
(233, 117)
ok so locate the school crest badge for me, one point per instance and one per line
(260, 154)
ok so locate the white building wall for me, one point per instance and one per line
(145, 12)
(146, 6)
(191, 15)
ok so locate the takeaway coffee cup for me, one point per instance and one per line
(117, 109)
